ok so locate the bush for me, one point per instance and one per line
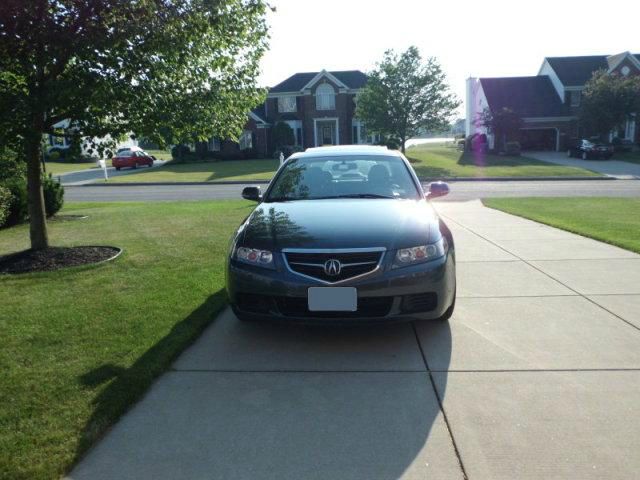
(11, 166)
(180, 152)
(53, 156)
(5, 204)
(512, 148)
(18, 209)
(53, 195)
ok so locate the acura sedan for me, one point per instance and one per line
(343, 235)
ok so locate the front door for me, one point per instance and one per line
(326, 133)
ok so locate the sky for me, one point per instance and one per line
(488, 38)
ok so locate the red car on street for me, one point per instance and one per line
(132, 159)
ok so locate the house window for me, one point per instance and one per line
(325, 97)
(286, 104)
(574, 98)
(214, 144)
(246, 140)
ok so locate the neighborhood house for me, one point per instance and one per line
(318, 106)
(548, 103)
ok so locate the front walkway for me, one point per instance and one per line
(537, 375)
(611, 168)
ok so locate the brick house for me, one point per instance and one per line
(318, 106)
(549, 101)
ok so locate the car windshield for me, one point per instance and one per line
(587, 143)
(363, 176)
(124, 153)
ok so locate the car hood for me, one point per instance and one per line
(340, 223)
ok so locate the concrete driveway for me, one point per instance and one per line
(537, 375)
(611, 168)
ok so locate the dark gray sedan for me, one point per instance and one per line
(343, 234)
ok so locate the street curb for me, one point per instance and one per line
(422, 180)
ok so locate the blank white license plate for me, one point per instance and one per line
(333, 299)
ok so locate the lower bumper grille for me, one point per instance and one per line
(367, 307)
(420, 302)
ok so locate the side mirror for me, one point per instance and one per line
(252, 193)
(153, 157)
(437, 189)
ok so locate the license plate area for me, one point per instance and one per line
(332, 299)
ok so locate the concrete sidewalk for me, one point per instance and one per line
(537, 375)
(610, 168)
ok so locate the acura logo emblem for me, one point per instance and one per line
(332, 267)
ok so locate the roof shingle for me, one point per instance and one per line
(526, 96)
(296, 82)
(576, 71)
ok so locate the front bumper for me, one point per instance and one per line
(423, 291)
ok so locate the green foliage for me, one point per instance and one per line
(171, 71)
(54, 156)
(512, 148)
(282, 135)
(505, 124)
(18, 209)
(11, 166)
(5, 204)
(180, 152)
(53, 195)
(607, 101)
(405, 95)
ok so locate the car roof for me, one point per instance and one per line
(346, 150)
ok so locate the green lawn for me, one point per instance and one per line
(205, 172)
(443, 161)
(80, 346)
(612, 220)
(60, 166)
(429, 161)
(633, 157)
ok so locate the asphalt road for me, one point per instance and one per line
(459, 191)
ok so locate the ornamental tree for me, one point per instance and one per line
(167, 70)
(505, 124)
(608, 100)
(404, 96)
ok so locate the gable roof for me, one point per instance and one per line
(576, 71)
(353, 79)
(526, 96)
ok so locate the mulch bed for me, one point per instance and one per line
(54, 258)
(63, 218)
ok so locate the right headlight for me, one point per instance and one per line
(419, 254)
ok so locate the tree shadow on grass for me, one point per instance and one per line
(129, 384)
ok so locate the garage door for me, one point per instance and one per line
(538, 139)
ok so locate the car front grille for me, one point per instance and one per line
(352, 263)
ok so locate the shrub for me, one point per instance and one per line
(53, 156)
(5, 204)
(512, 148)
(282, 135)
(180, 152)
(18, 209)
(53, 195)
(11, 166)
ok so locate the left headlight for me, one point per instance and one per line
(419, 254)
(253, 256)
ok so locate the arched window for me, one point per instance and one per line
(325, 97)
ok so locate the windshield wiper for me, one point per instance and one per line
(356, 195)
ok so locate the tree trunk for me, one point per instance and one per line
(403, 140)
(35, 196)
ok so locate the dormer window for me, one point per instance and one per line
(286, 104)
(325, 97)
